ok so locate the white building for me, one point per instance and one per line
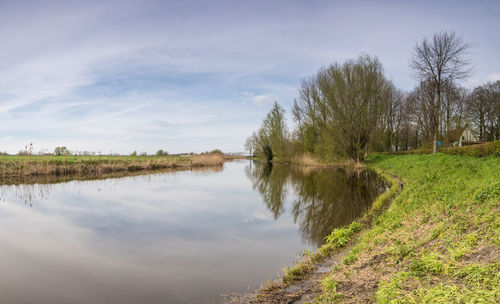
(461, 136)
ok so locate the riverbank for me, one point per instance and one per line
(438, 241)
(24, 166)
(56, 179)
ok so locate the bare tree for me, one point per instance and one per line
(250, 143)
(407, 126)
(393, 117)
(453, 103)
(461, 116)
(422, 102)
(496, 107)
(440, 61)
(484, 107)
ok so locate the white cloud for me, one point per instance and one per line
(474, 82)
(92, 76)
(493, 77)
(262, 99)
(471, 83)
(258, 99)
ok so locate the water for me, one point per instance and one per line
(175, 237)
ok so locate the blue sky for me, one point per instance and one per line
(119, 76)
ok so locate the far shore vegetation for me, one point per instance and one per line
(65, 164)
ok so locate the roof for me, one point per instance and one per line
(454, 135)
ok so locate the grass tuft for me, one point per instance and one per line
(297, 272)
(340, 236)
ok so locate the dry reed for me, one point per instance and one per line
(18, 166)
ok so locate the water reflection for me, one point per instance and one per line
(170, 237)
(26, 192)
(38, 188)
(323, 199)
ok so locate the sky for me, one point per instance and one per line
(192, 76)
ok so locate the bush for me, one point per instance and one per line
(61, 151)
(161, 153)
(491, 148)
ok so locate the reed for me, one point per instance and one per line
(306, 160)
(27, 165)
(211, 159)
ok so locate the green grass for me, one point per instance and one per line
(340, 236)
(438, 242)
(297, 272)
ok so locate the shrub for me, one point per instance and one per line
(61, 151)
(161, 153)
(480, 150)
(491, 148)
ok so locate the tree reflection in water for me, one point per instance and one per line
(324, 198)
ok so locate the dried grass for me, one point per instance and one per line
(306, 160)
(19, 166)
(211, 159)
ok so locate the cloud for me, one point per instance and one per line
(474, 82)
(257, 99)
(262, 99)
(186, 121)
(127, 76)
(470, 83)
(493, 77)
(161, 123)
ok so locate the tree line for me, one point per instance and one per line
(348, 109)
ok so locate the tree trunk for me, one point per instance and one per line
(436, 120)
(434, 144)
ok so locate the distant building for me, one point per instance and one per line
(461, 137)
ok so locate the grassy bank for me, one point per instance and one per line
(20, 166)
(438, 242)
(301, 280)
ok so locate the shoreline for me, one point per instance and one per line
(29, 166)
(300, 282)
(378, 257)
(55, 179)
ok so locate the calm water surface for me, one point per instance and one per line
(183, 237)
